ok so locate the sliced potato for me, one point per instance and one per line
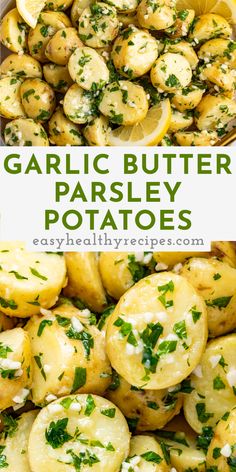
(14, 444)
(62, 131)
(166, 305)
(10, 101)
(213, 383)
(221, 453)
(88, 69)
(101, 428)
(28, 280)
(84, 280)
(69, 355)
(215, 281)
(25, 132)
(21, 66)
(13, 32)
(146, 454)
(148, 410)
(15, 367)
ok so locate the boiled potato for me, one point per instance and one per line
(92, 433)
(77, 9)
(6, 322)
(10, 101)
(160, 321)
(183, 48)
(213, 384)
(14, 446)
(209, 26)
(215, 112)
(107, 25)
(128, 19)
(146, 455)
(196, 138)
(168, 260)
(69, 356)
(221, 453)
(134, 52)
(96, 133)
(220, 75)
(124, 102)
(224, 50)
(127, 6)
(180, 120)
(49, 23)
(84, 280)
(38, 99)
(148, 409)
(28, 280)
(58, 5)
(21, 66)
(78, 105)
(62, 45)
(215, 281)
(171, 72)
(25, 132)
(57, 77)
(15, 367)
(88, 69)
(225, 251)
(62, 131)
(187, 98)
(182, 24)
(155, 15)
(13, 32)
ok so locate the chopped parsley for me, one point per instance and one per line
(80, 377)
(56, 434)
(43, 325)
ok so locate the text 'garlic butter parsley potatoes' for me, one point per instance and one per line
(118, 72)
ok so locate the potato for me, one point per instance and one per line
(21, 66)
(49, 23)
(213, 384)
(167, 260)
(69, 356)
(215, 281)
(134, 52)
(28, 280)
(220, 75)
(38, 99)
(62, 45)
(13, 32)
(185, 49)
(15, 367)
(224, 50)
(78, 105)
(187, 98)
(124, 102)
(107, 26)
(60, 428)
(58, 5)
(6, 322)
(146, 455)
(160, 321)
(127, 6)
(84, 280)
(182, 24)
(148, 410)
(171, 72)
(25, 132)
(96, 133)
(221, 453)
(14, 444)
(196, 138)
(128, 19)
(209, 26)
(215, 112)
(62, 131)
(180, 120)
(77, 9)
(10, 101)
(57, 77)
(225, 251)
(155, 16)
(88, 69)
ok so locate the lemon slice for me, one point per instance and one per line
(30, 10)
(225, 8)
(147, 132)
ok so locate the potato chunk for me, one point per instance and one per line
(171, 72)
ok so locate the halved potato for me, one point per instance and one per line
(221, 453)
(146, 455)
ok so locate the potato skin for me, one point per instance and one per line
(96, 133)
(62, 131)
(152, 408)
(161, 16)
(13, 32)
(18, 378)
(99, 13)
(38, 99)
(224, 434)
(171, 72)
(115, 274)
(21, 66)
(25, 132)
(84, 280)
(62, 45)
(209, 26)
(12, 107)
(196, 138)
(141, 445)
(57, 77)
(214, 112)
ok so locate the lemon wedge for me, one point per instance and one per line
(148, 132)
(225, 8)
(30, 10)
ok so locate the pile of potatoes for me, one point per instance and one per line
(89, 66)
(122, 362)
